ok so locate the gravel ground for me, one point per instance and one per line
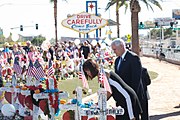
(164, 91)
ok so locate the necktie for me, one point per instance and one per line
(119, 63)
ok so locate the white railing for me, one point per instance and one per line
(170, 53)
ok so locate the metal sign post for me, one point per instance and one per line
(89, 4)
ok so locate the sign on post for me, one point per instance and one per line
(176, 14)
(84, 22)
(149, 24)
(164, 21)
(176, 28)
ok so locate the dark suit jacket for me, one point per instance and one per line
(130, 72)
(146, 80)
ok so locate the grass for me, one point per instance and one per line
(71, 84)
(153, 74)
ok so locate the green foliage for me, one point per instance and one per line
(38, 40)
(157, 33)
(153, 74)
(120, 4)
(148, 4)
(70, 85)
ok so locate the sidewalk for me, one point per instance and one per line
(164, 90)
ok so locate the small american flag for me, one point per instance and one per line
(17, 68)
(30, 69)
(50, 68)
(82, 76)
(37, 70)
(103, 80)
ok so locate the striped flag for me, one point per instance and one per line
(82, 77)
(103, 80)
(50, 68)
(17, 68)
(37, 70)
(30, 69)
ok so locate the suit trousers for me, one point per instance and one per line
(144, 105)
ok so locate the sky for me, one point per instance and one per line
(30, 12)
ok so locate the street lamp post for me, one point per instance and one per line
(109, 30)
(162, 29)
(149, 34)
(96, 13)
(176, 26)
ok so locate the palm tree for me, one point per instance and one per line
(135, 9)
(55, 20)
(118, 3)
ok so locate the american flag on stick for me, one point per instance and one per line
(50, 68)
(16, 67)
(37, 70)
(103, 80)
(82, 76)
(30, 69)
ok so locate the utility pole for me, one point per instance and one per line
(176, 26)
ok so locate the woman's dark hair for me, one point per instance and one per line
(92, 66)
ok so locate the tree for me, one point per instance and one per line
(55, 20)
(135, 9)
(155, 33)
(118, 3)
(38, 40)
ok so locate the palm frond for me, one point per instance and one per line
(126, 6)
(155, 2)
(122, 2)
(147, 4)
(111, 3)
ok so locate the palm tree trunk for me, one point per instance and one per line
(135, 32)
(117, 18)
(55, 21)
(135, 9)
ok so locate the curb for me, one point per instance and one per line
(176, 62)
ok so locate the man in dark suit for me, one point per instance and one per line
(146, 80)
(128, 67)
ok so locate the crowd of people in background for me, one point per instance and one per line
(66, 57)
